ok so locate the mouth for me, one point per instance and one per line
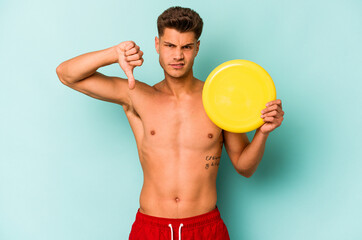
(177, 65)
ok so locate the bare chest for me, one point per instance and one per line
(183, 124)
(176, 124)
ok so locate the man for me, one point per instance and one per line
(178, 145)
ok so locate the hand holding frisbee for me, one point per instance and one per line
(235, 93)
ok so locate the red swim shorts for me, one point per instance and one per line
(207, 226)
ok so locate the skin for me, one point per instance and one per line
(179, 147)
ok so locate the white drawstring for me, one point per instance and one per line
(171, 231)
(179, 231)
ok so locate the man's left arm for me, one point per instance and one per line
(246, 156)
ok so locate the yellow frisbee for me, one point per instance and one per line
(234, 94)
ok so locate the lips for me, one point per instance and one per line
(177, 65)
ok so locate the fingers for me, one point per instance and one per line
(134, 57)
(131, 84)
(133, 50)
(274, 108)
(131, 80)
(129, 45)
(268, 119)
(133, 54)
(129, 56)
(129, 73)
(124, 46)
(273, 113)
(128, 48)
(137, 62)
(277, 101)
(276, 122)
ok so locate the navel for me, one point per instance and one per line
(177, 199)
(153, 132)
(210, 135)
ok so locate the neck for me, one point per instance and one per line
(179, 86)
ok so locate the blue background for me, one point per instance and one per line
(69, 166)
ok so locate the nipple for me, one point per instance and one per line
(153, 132)
(210, 135)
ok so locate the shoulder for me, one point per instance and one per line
(141, 89)
(140, 96)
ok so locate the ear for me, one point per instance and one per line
(197, 47)
(157, 45)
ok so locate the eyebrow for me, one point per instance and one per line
(183, 45)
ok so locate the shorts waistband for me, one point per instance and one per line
(194, 221)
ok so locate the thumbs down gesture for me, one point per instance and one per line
(129, 56)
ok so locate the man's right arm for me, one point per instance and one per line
(80, 73)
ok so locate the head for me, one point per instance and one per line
(179, 30)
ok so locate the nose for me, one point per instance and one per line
(178, 54)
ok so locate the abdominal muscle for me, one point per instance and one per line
(176, 187)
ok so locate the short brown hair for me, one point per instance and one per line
(181, 19)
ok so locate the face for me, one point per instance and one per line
(177, 52)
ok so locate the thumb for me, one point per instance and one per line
(131, 80)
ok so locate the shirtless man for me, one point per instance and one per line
(179, 147)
